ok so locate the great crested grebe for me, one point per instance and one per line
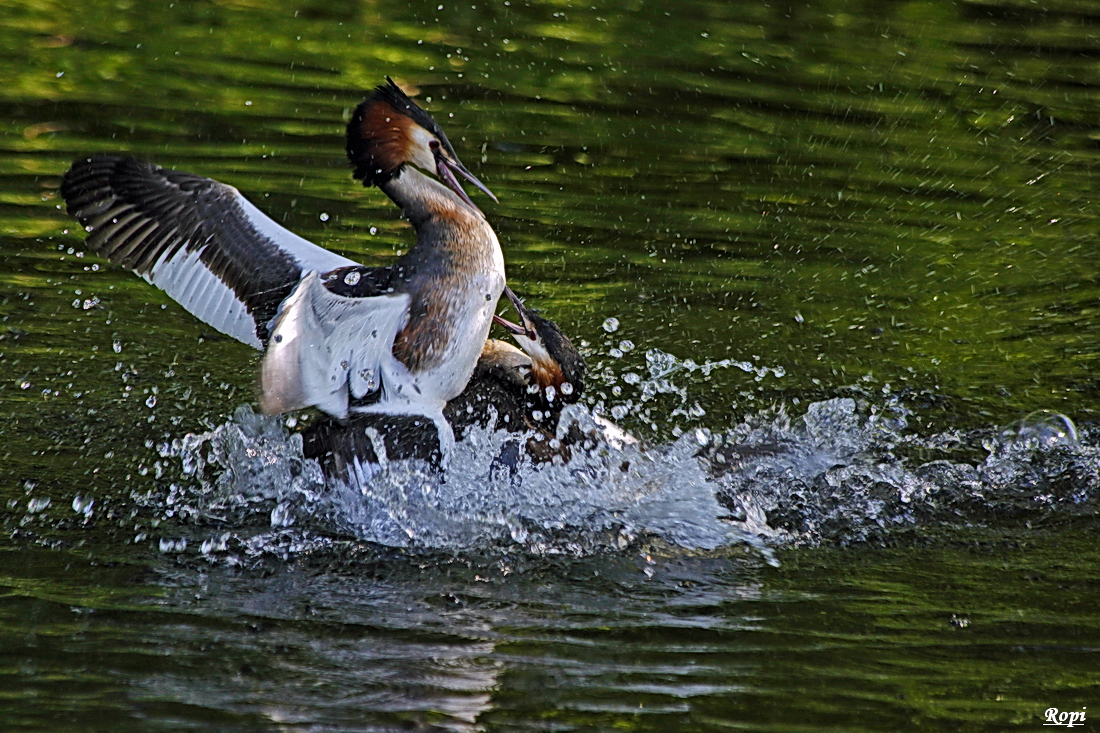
(513, 390)
(528, 389)
(397, 340)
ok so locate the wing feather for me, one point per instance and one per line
(326, 348)
(203, 243)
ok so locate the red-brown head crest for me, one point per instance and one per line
(380, 134)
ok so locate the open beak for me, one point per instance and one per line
(524, 330)
(517, 330)
(445, 168)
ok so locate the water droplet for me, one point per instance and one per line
(352, 278)
(324, 216)
(281, 517)
(1047, 428)
(83, 505)
(373, 230)
(117, 346)
(215, 544)
(167, 545)
(611, 325)
(566, 388)
(626, 346)
(151, 402)
(37, 504)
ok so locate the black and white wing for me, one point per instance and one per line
(327, 347)
(199, 240)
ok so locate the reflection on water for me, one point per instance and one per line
(358, 642)
(844, 255)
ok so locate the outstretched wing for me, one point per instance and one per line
(325, 347)
(200, 241)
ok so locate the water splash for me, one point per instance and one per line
(492, 494)
(842, 472)
(836, 474)
(639, 399)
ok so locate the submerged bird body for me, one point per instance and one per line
(401, 339)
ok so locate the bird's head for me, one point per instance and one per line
(556, 363)
(388, 131)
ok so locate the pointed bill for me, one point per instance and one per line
(472, 179)
(445, 167)
(527, 329)
(512, 327)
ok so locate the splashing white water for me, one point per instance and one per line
(607, 497)
(837, 474)
(833, 475)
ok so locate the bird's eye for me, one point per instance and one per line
(433, 144)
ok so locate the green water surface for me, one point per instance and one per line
(888, 200)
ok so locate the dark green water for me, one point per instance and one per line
(890, 202)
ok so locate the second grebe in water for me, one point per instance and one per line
(401, 339)
(525, 389)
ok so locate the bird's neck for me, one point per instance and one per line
(453, 239)
(422, 198)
